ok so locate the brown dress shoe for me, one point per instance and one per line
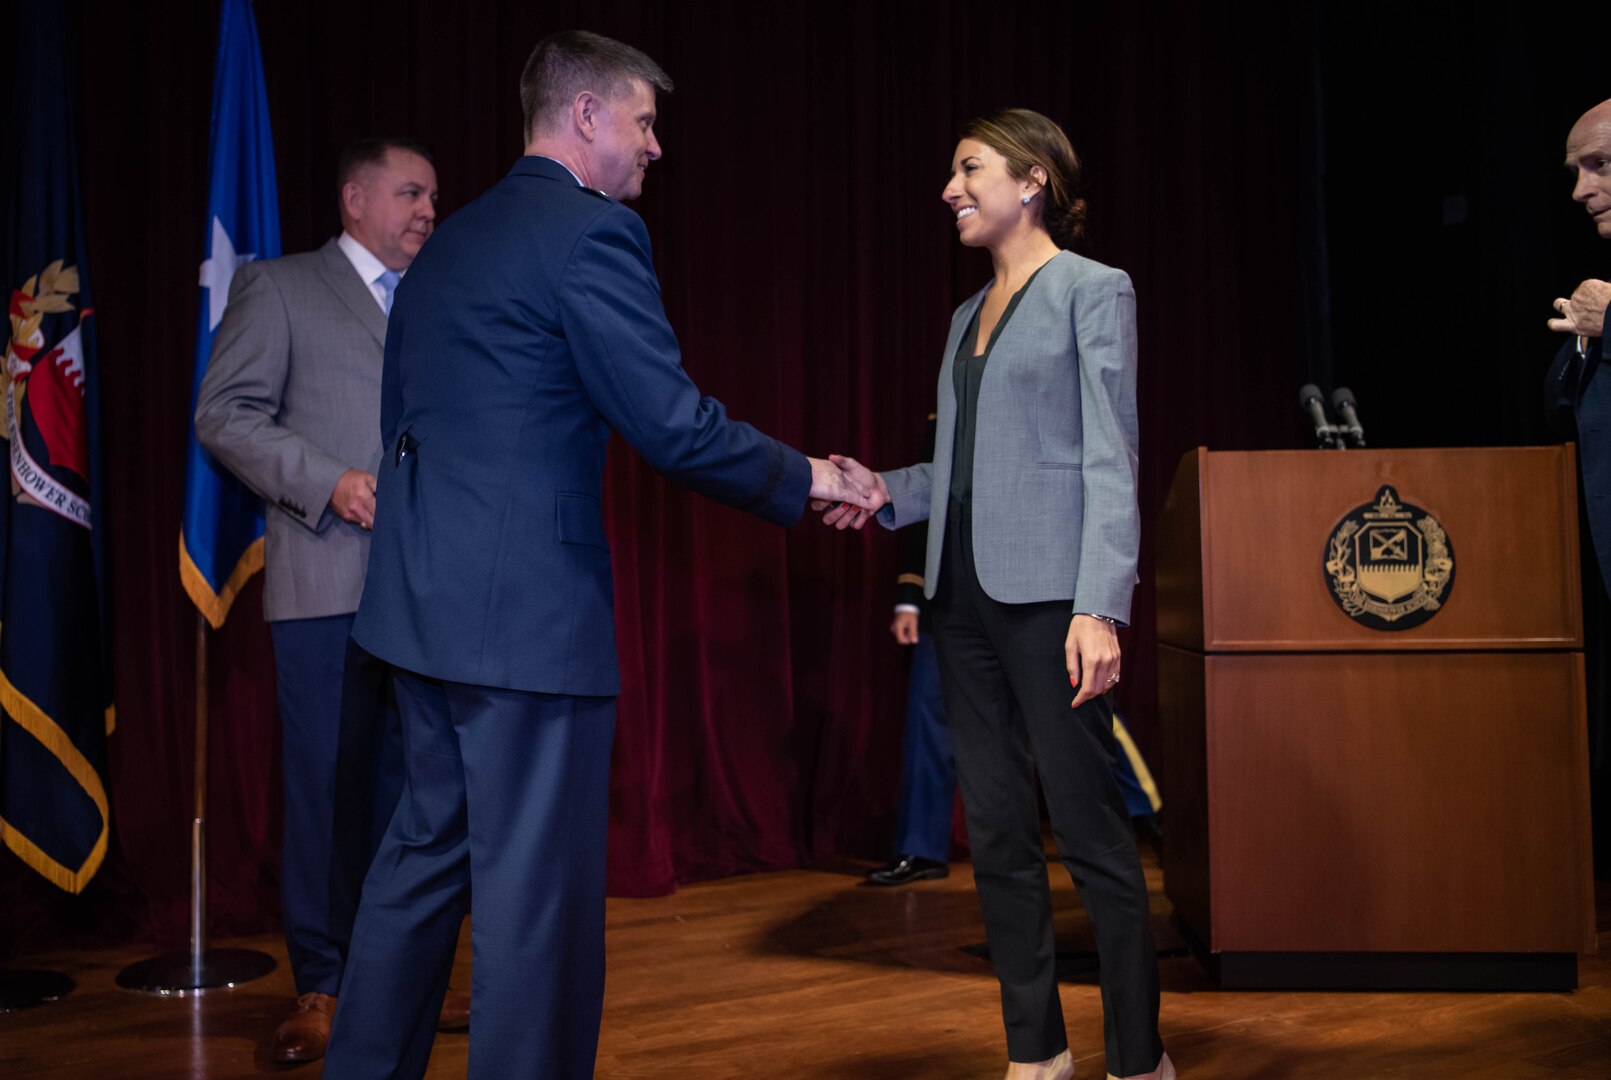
(306, 1033)
(455, 1015)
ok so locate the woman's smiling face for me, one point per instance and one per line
(987, 201)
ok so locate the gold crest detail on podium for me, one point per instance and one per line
(1390, 565)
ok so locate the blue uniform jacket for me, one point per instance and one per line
(527, 328)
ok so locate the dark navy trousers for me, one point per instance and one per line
(928, 770)
(508, 798)
(342, 769)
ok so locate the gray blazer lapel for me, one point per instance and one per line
(344, 282)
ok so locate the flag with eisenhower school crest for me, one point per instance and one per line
(221, 536)
(55, 704)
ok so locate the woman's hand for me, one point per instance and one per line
(1092, 652)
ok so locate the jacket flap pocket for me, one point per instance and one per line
(581, 520)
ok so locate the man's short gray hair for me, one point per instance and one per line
(564, 64)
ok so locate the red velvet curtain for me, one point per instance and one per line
(810, 271)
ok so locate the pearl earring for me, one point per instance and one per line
(1027, 198)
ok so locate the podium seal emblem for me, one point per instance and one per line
(1390, 565)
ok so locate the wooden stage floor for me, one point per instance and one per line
(804, 974)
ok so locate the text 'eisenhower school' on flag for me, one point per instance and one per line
(55, 700)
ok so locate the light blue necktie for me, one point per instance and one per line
(388, 285)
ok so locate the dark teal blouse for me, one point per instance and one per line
(967, 372)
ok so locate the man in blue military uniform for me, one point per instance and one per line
(528, 330)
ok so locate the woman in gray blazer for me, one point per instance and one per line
(1034, 479)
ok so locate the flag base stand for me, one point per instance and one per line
(180, 974)
(202, 968)
(23, 989)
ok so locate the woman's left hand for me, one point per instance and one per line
(1092, 652)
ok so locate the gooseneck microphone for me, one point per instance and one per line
(1342, 399)
(1309, 397)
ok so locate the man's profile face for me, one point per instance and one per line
(391, 207)
(624, 142)
(1588, 157)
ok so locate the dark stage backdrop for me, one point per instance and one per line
(810, 271)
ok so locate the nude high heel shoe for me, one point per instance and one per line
(1164, 1071)
(1060, 1067)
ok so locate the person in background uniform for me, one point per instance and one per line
(928, 770)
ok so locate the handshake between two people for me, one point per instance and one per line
(849, 491)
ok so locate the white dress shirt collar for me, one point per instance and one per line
(369, 268)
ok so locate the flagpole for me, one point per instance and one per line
(198, 824)
(201, 969)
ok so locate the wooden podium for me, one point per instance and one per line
(1353, 807)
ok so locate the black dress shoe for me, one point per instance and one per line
(908, 868)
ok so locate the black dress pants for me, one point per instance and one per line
(1007, 698)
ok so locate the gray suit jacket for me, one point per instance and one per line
(290, 401)
(1054, 470)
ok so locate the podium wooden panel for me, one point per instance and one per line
(1351, 807)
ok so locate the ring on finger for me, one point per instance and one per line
(1113, 678)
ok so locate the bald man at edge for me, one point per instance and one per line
(1577, 389)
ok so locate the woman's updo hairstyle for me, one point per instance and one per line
(1026, 139)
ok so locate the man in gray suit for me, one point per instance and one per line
(291, 405)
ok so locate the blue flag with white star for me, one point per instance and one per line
(221, 538)
(55, 700)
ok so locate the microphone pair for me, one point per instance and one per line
(1333, 436)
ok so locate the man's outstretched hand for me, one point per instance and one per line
(849, 491)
